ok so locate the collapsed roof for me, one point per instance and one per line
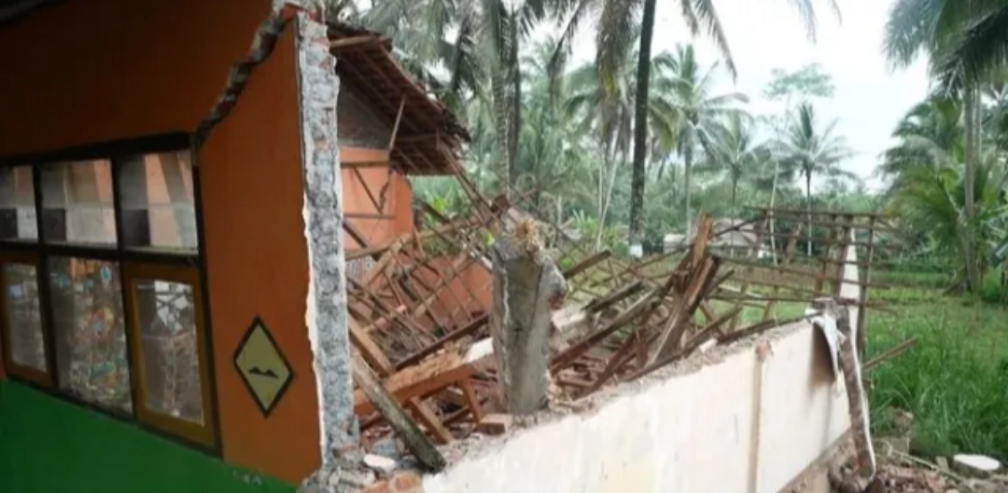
(426, 136)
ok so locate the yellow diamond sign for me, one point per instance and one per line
(262, 367)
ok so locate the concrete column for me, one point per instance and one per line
(323, 216)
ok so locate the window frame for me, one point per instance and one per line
(134, 262)
(43, 378)
(203, 432)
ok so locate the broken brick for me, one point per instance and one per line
(495, 424)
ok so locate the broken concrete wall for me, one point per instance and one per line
(323, 219)
(684, 430)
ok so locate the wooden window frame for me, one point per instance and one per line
(204, 432)
(42, 378)
(134, 262)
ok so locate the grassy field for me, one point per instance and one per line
(955, 381)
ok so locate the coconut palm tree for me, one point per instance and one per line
(478, 44)
(736, 153)
(927, 191)
(929, 136)
(958, 39)
(808, 150)
(613, 40)
(697, 111)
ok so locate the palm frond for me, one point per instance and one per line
(701, 16)
(617, 32)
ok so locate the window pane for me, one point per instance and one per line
(24, 316)
(167, 314)
(157, 200)
(77, 202)
(91, 351)
(17, 204)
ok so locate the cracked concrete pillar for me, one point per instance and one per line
(526, 286)
(326, 316)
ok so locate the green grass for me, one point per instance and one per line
(955, 381)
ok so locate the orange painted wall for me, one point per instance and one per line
(474, 278)
(251, 180)
(397, 204)
(89, 71)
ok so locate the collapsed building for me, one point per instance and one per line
(226, 285)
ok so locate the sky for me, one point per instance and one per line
(870, 97)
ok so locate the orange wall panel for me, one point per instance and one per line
(469, 291)
(398, 204)
(88, 71)
(251, 183)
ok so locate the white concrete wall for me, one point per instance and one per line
(734, 426)
(690, 433)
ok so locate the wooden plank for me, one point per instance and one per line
(380, 398)
(379, 206)
(375, 357)
(466, 330)
(472, 399)
(430, 421)
(421, 380)
(586, 264)
(355, 41)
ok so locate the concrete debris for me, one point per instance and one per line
(379, 463)
(903, 473)
(421, 313)
(975, 465)
(495, 424)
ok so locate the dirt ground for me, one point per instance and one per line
(899, 472)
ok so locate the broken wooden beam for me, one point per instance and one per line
(889, 354)
(431, 376)
(417, 443)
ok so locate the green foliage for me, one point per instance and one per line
(953, 381)
(803, 84)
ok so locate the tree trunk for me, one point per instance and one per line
(638, 179)
(526, 286)
(808, 205)
(687, 174)
(606, 198)
(515, 119)
(734, 192)
(970, 108)
(773, 200)
(497, 87)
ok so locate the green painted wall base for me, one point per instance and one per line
(51, 446)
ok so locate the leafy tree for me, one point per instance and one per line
(697, 110)
(736, 153)
(943, 29)
(809, 150)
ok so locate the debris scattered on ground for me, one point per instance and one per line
(495, 424)
(420, 308)
(899, 472)
(379, 463)
(979, 466)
